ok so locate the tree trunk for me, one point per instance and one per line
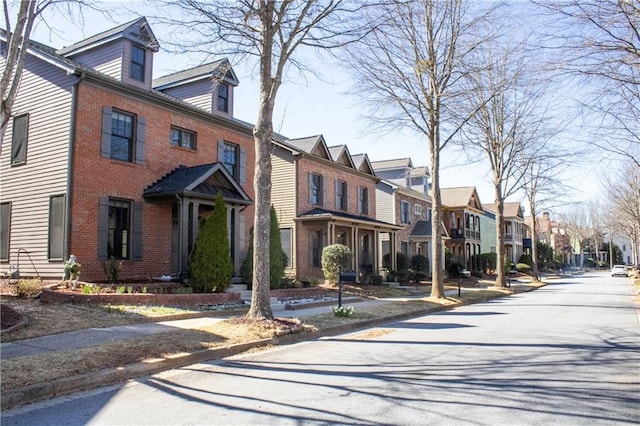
(534, 246)
(262, 135)
(260, 296)
(500, 248)
(437, 284)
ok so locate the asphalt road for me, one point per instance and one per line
(568, 353)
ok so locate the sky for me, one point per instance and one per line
(315, 106)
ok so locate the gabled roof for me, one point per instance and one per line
(203, 181)
(137, 30)
(398, 163)
(420, 171)
(511, 209)
(362, 163)
(53, 57)
(460, 197)
(220, 69)
(340, 154)
(311, 145)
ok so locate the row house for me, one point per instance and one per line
(103, 162)
(461, 212)
(515, 230)
(324, 195)
(557, 236)
(401, 172)
(402, 198)
(412, 211)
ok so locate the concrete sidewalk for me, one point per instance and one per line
(96, 336)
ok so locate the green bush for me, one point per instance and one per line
(276, 261)
(276, 255)
(525, 258)
(386, 261)
(28, 288)
(334, 258)
(489, 261)
(523, 267)
(454, 268)
(111, 269)
(402, 263)
(419, 263)
(402, 276)
(420, 276)
(210, 266)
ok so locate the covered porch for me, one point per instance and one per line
(320, 228)
(190, 194)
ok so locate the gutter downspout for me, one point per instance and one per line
(70, 164)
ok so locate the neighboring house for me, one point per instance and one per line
(324, 195)
(412, 211)
(557, 236)
(514, 230)
(99, 164)
(461, 212)
(400, 171)
(627, 247)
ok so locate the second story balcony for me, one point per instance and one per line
(457, 233)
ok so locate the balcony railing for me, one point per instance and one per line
(457, 233)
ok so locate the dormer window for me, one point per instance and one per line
(223, 97)
(137, 62)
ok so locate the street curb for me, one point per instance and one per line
(12, 398)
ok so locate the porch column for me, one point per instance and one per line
(354, 249)
(183, 236)
(392, 245)
(376, 260)
(195, 222)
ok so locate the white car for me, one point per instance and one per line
(619, 270)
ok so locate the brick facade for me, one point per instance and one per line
(95, 176)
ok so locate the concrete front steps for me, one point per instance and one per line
(413, 290)
(245, 296)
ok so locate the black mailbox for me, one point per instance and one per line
(348, 276)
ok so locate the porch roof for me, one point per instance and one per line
(423, 231)
(324, 214)
(203, 182)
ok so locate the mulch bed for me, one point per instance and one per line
(8, 317)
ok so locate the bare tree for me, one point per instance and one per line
(408, 72)
(543, 186)
(18, 36)
(623, 207)
(271, 33)
(576, 221)
(599, 42)
(512, 106)
(16, 51)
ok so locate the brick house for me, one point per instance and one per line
(324, 195)
(101, 161)
(461, 212)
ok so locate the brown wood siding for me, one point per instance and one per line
(45, 94)
(283, 192)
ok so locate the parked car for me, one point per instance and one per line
(619, 270)
(465, 273)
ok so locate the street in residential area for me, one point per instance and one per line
(568, 353)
